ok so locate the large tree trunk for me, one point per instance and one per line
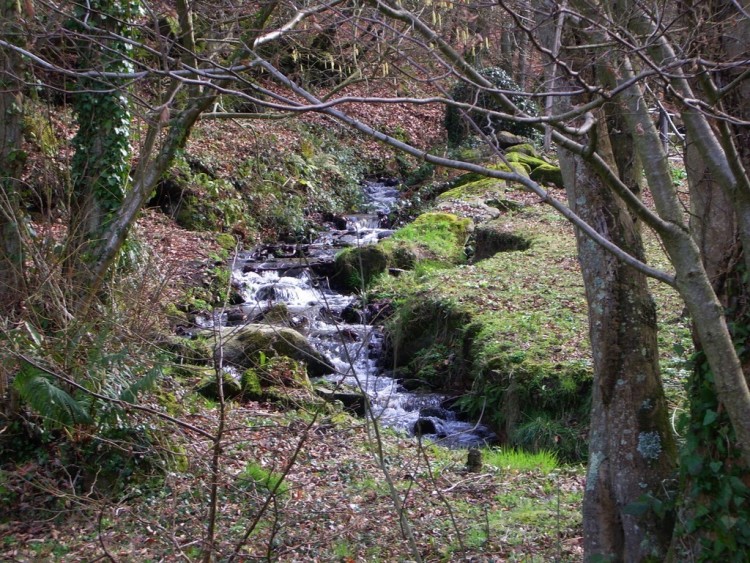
(631, 447)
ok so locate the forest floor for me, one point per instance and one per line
(335, 503)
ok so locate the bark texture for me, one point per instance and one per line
(631, 447)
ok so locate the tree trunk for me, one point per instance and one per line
(12, 160)
(710, 443)
(631, 447)
(101, 163)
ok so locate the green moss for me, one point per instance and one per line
(548, 174)
(226, 241)
(532, 162)
(473, 185)
(251, 385)
(256, 345)
(525, 148)
(480, 186)
(197, 351)
(441, 235)
(356, 267)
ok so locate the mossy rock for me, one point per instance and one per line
(427, 328)
(524, 148)
(497, 236)
(358, 266)
(473, 185)
(439, 235)
(277, 314)
(209, 387)
(533, 162)
(196, 351)
(250, 382)
(479, 187)
(548, 174)
(403, 255)
(245, 346)
(354, 402)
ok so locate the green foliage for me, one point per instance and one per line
(265, 480)
(716, 500)
(285, 190)
(546, 432)
(57, 407)
(456, 125)
(100, 166)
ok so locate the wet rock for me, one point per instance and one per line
(354, 402)
(428, 426)
(353, 314)
(235, 316)
(451, 404)
(436, 412)
(243, 346)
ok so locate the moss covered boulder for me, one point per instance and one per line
(356, 267)
(548, 174)
(437, 236)
(209, 388)
(245, 347)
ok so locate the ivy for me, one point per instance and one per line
(715, 504)
(101, 164)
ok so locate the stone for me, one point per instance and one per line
(209, 388)
(354, 402)
(548, 174)
(243, 347)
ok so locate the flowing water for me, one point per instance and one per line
(294, 275)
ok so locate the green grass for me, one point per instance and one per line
(255, 475)
(512, 459)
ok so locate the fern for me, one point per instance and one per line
(130, 393)
(48, 400)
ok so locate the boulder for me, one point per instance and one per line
(209, 388)
(244, 346)
(355, 402)
(358, 266)
(548, 174)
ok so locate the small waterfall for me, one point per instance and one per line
(355, 348)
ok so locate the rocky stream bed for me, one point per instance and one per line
(293, 286)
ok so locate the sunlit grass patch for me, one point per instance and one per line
(513, 459)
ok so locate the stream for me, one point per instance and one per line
(297, 276)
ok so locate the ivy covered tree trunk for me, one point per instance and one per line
(101, 164)
(12, 159)
(715, 508)
(631, 447)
